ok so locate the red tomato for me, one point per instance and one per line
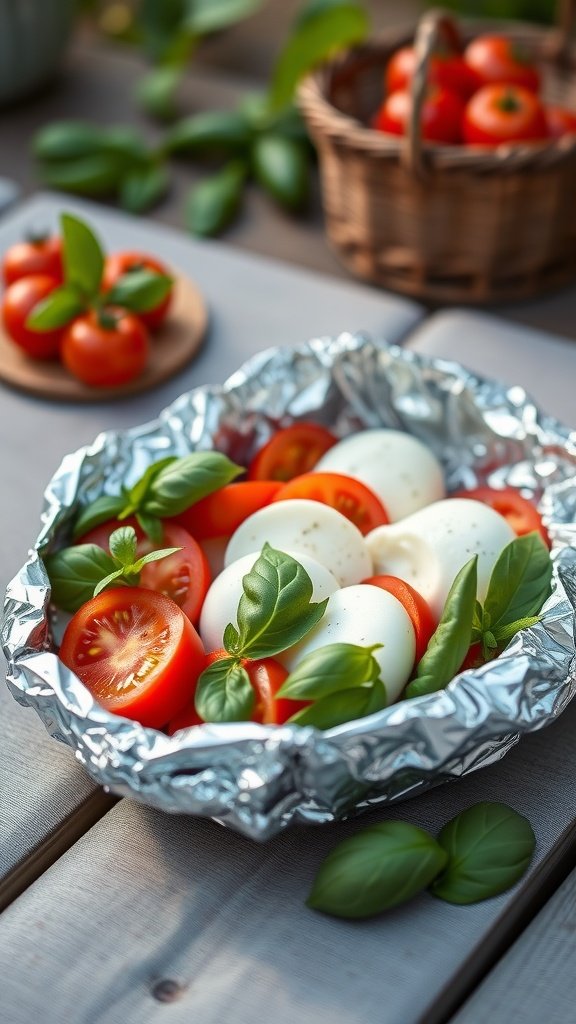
(43, 256)
(347, 495)
(418, 609)
(474, 658)
(266, 676)
(220, 513)
(503, 113)
(518, 511)
(441, 115)
(121, 263)
(105, 349)
(19, 300)
(291, 451)
(448, 70)
(498, 59)
(183, 576)
(136, 652)
(559, 121)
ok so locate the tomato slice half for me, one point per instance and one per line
(291, 451)
(418, 609)
(349, 496)
(220, 513)
(518, 511)
(136, 652)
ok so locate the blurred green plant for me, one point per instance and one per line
(264, 139)
(516, 10)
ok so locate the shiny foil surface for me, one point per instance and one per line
(258, 779)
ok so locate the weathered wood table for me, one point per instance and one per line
(113, 912)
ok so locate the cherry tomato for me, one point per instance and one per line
(184, 576)
(559, 121)
(105, 349)
(517, 510)
(473, 659)
(347, 495)
(291, 451)
(136, 652)
(41, 256)
(220, 513)
(503, 113)
(441, 119)
(121, 263)
(446, 69)
(418, 609)
(19, 300)
(266, 676)
(498, 59)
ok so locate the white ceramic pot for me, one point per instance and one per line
(33, 35)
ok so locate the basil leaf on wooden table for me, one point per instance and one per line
(450, 642)
(97, 175)
(214, 202)
(378, 868)
(488, 848)
(343, 706)
(143, 187)
(74, 573)
(329, 669)
(215, 132)
(281, 166)
(67, 140)
(156, 91)
(224, 692)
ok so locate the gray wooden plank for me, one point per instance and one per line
(144, 899)
(254, 303)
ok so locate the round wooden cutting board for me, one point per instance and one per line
(171, 348)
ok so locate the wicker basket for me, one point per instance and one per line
(444, 223)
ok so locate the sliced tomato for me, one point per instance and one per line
(266, 676)
(291, 451)
(519, 512)
(418, 609)
(184, 576)
(349, 496)
(220, 513)
(136, 652)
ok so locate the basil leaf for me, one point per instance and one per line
(330, 669)
(82, 255)
(140, 290)
(450, 642)
(96, 175)
(378, 868)
(152, 526)
(152, 556)
(214, 202)
(206, 16)
(67, 140)
(281, 166)
(105, 507)
(489, 847)
(185, 481)
(222, 132)
(74, 572)
(142, 188)
(520, 581)
(275, 610)
(142, 486)
(224, 692)
(122, 545)
(326, 28)
(344, 706)
(156, 91)
(505, 633)
(118, 574)
(56, 310)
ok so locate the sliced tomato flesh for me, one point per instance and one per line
(222, 512)
(290, 452)
(417, 607)
(349, 496)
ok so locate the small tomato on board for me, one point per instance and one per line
(136, 652)
(441, 118)
(35, 256)
(121, 263)
(291, 451)
(559, 121)
(18, 302)
(105, 348)
(519, 512)
(448, 70)
(499, 59)
(418, 609)
(220, 513)
(349, 496)
(503, 113)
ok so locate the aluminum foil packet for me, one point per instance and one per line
(255, 778)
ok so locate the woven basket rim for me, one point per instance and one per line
(351, 133)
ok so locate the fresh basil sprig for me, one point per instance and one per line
(82, 571)
(343, 706)
(324, 677)
(480, 853)
(165, 489)
(224, 692)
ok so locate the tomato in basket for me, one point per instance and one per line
(441, 117)
(503, 113)
(500, 59)
(560, 121)
(448, 70)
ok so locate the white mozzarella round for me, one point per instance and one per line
(221, 602)
(310, 528)
(428, 548)
(364, 615)
(402, 471)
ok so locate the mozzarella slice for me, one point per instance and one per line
(402, 471)
(310, 528)
(428, 548)
(364, 615)
(221, 601)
